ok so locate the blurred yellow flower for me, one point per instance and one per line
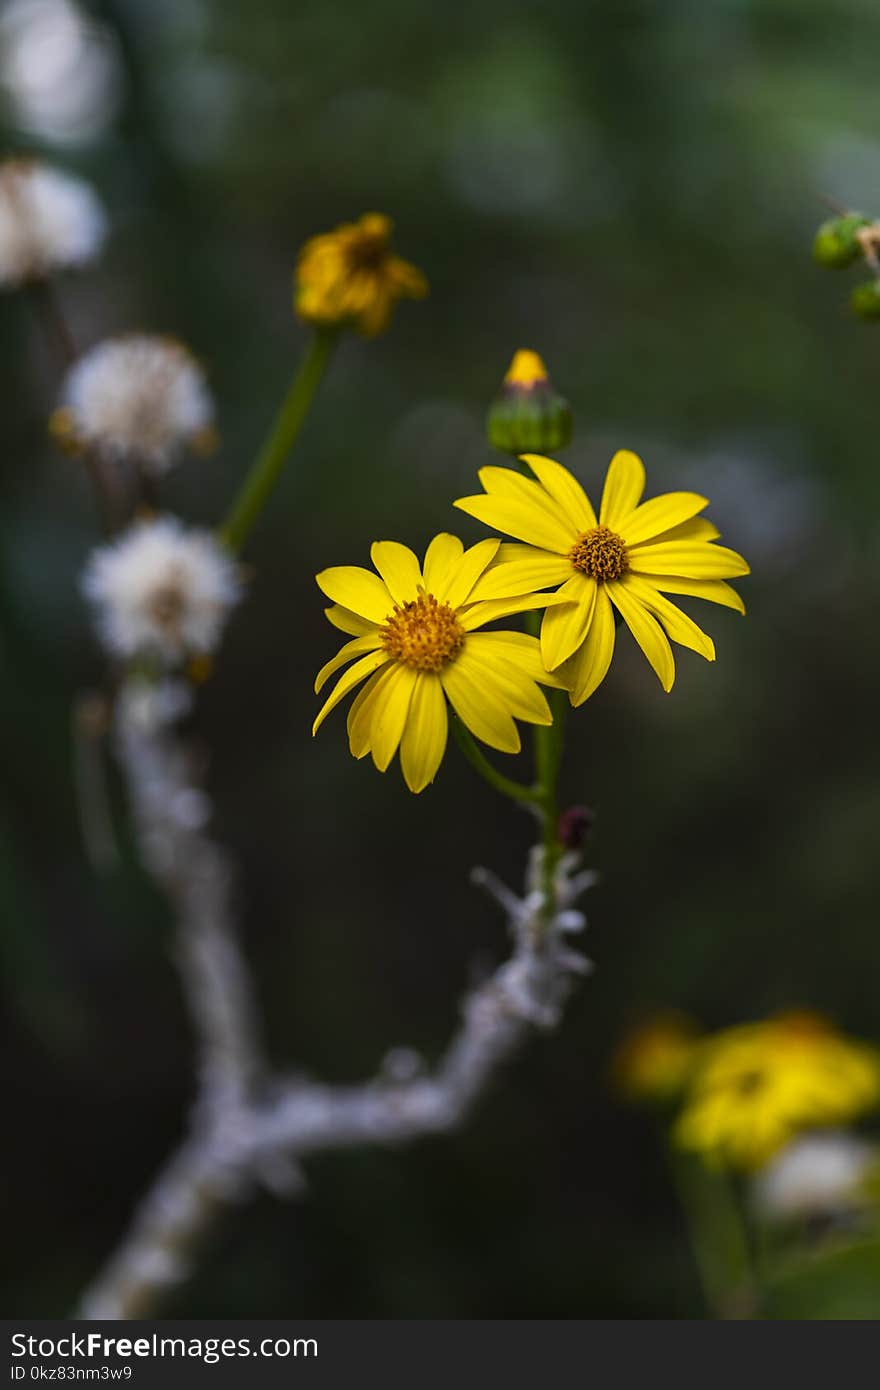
(653, 1061)
(757, 1085)
(415, 636)
(349, 276)
(629, 559)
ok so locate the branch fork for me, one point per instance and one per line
(250, 1125)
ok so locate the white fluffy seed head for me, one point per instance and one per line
(137, 398)
(49, 220)
(819, 1174)
(161, 590)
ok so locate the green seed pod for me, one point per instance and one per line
(528, 416)
(865, 300)
(836, 244)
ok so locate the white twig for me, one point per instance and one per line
(250, 1126)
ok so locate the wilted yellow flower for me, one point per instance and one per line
(629, 558)
(653, 1061)
(349, 276)
(414, 632)
(757, 1085)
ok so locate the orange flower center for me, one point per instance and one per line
(423, 633)
(600, 553)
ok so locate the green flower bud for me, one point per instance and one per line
(836, 244)
(865, 300)
(528, 416)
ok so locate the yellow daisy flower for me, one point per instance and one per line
(349, 276)
(415, 635)
(629, 559)
(757, 1085)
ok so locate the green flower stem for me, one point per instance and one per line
(549, 741)
(267, 467)
(517, 791)
(718, 1236)
(541, 797)
(548, 759)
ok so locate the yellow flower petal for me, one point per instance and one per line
(399, 568)
(347, 682)
(564, 488)
(357, 589)
(688, 559)
(346, 621)
(652, 518)
(406, 279)
(624, 485)
(565, 625)
(715, 590)
(647, 632)
(469, 569)
(389, 719)
(518, 692)
(518, 519)
(536, 569)
(441, 559)
(478, 706)
(678, 625)
(476, 615)
(508, 482)
(374, 318)
(424, 738)
(697, 529)
(357, 647)
(585, 671)
(362, 709)
(525, 653)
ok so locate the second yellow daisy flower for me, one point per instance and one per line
(628, 558)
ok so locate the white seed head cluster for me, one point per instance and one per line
(161, 590)
(137, 398)
(49, 220)
(816, 1175)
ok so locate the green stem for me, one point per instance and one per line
(718, 1237)
(517, 791)
(266, 469)
(548, 759)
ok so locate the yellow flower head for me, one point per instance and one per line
(349, 276)
(628, 558)
(415, 633)
(757, 1085)
(654, 1061)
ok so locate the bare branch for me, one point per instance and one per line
(249, 1126)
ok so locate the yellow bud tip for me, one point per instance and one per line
(526, 369)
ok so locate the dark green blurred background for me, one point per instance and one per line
(630, 189)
